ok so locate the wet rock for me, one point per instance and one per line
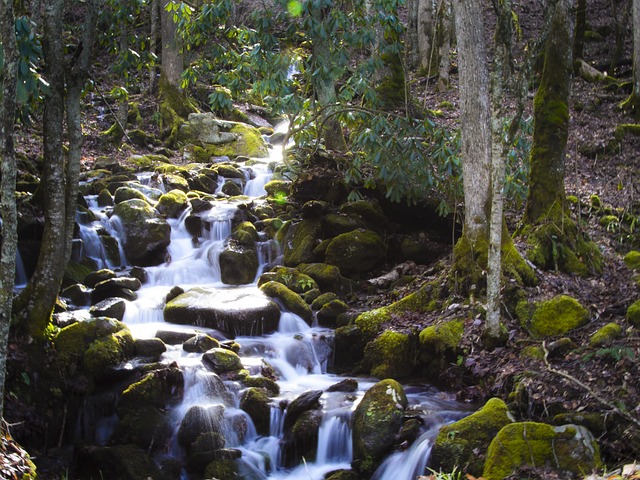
(123, 287)
(376, 423)
(204, 183)
(307, 401)
(127, 193)
(175, 181)
(356, 251)
(463, 444)
(348, 385)
(439, 344)
(92, 279)
(172, 203)
(105, 199)
(193, 224)
(328, 277)
(221, 360)
(173, 337)
(255, 402)
(330, 311)
(158, 388)
(200, 343)
(238, 264)
(291, 300)
(121, 461)
(269, 386)
(149, 429)
(568, 448)
(93, 347)
(173, 293)
(112, 307)
(78, 294)
(242, 311)
(199, 421)
(232, 188)
(151, 348)
(301, 441)
(298, 240)
(147, 235)
(335, 224)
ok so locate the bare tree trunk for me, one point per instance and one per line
(632, 104)
(8, 186)
(474, 117)
(411, 37)
(426, 28)
(444, 45)
(172, 60)
(37, 300)
(153, 46)
(581, 26)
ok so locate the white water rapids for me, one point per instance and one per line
(300, 355)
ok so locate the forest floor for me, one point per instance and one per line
(587, 379)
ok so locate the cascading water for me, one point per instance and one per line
(298, 354)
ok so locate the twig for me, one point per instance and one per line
(589, 390)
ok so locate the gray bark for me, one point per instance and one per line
(474, 117)
(426, 28)
(153, 47)
(172, 59)
(8, 185)
(411, 37)
(444, 46)
(38, 298)
(636, 51)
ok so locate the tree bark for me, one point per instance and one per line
(426, 28)
(153, 46)
(551, 118)
(632, 104)
(444, 45)
(37, 300)
(581, 26)
(411, 37)
(8, 183)
(172, 59)
(474, 117)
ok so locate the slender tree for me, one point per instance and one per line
(632, 104)
(8, 212)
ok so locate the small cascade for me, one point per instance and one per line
(334, 440)
(21, 274)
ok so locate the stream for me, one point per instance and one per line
(301, 355)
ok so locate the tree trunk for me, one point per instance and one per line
(632, 104)
(426, 28)
(581, 27)
(445, 28)
(411, 37)
(8, 186)
(172, 60)
(37, 300)
(551, 119)
(153, 46)
(474, 117)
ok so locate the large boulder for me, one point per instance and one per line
(390, 355)
(221, 360)
(463, 444)
(256, 403)
(147, 236)
(238, 264)
(356, 251)
(376, 422)
(236, 311)
(570, 449)
(172, 203)
(93, 347)
(290, 277)
(157, 389)
(298, 241)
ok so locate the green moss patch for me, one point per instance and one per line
(557, 316)
(390, 355)
(605, 335)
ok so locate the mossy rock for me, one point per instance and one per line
(371, 323)
(301, 442)
(149, 429)
(632, 260)
(255, 402)
(390, 355)
(349, 344)
(268, 385)
(117, 462)
(370, 211)
(376, 422)
(93, 347)
(128, 193)
(229, 469)
(291, 300)
(322, 300)
(298, 241)
(439, 344)
(105, 199)
(290, 277)
(557, 316)
(569, 448)
(158, 388)
(174, 181)
(605, 335)
(221, 360)
(278, 188)
(146, 162)
(246, 234)
(328, 277)
(147, 235)
(334, 224)
(246, 141)
(342, 475)
(462, 444)
(633, 314)
(238, 264)
(172, 203)
(329, 312)
(356, 251)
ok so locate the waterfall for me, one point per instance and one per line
(334, 440)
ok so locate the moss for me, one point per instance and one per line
(114, 134)
(329, 313)
(146, 162)
(291, 300)
(568, 448)
(322, 300)
(227, 469)
(376, 421)
(595, 201)
(626, 129)
(276, 188)
(328, 277)
(556, 316)
(255, 402)
(462, 444)
(104, 354)
(268, 385)
(127, 193)
(291, 278)
(172, 203)
(533, 352)
(356, 251)
(632, 260)
(370, 323)
(248, 143)
(607, 220)
(299, 241)
(444, 338)
(390, 355)
(633, 314)
(426, 299)
(605, 335)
